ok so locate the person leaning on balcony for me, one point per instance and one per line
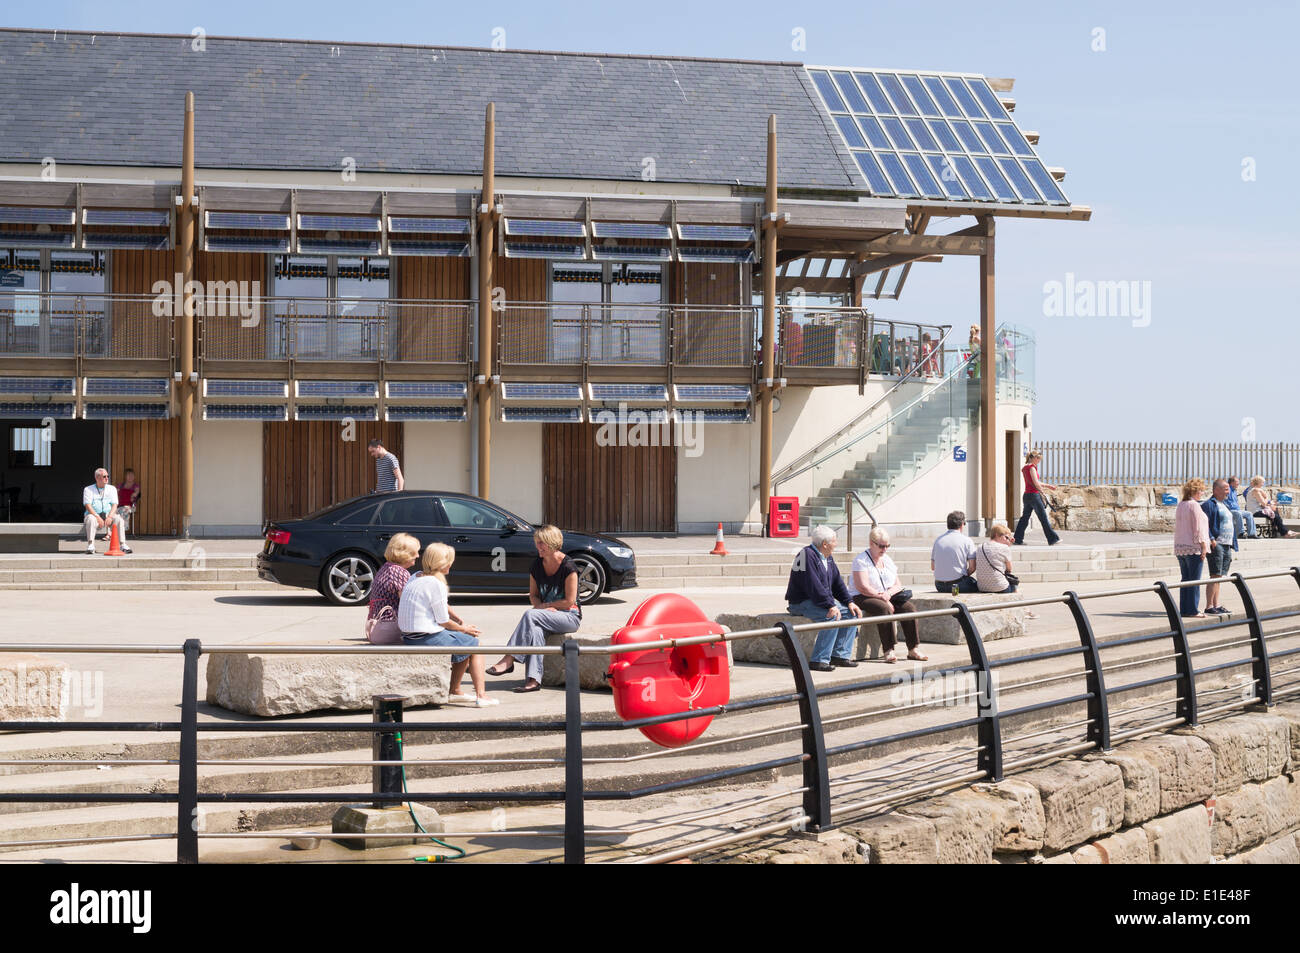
(1191, 546)
(1261, 504)
(99, 500)
(816, 591)
(876, 590)
(972, 352)
(386, 590)
(929, 357)
(388, 472)
(993, 561)
(952, 558)
(1242, 519)
(1223, 540)
(1034, 501)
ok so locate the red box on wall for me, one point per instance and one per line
(782, 516)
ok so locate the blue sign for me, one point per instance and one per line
(959, 453)
(11, 279)
(1169, 499)
(1284, 497)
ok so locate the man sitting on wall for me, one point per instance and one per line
(953, 557)
(1244, 521)
(99, 500)
(817, 591)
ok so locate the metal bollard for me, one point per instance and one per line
(386, 779)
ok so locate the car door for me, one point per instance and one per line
(417, 515)
(495, 552)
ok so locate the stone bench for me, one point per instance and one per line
(591, 668)
(36, 537)
(942, 630)
(267, 685)
(32, 688)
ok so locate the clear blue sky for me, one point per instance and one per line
(1153, 130)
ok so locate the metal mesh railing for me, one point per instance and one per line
(1168, 463)
(122, 327)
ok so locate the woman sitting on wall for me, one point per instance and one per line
(1261, 504)
(386, 590)
(993, 562)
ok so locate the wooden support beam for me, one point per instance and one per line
(486, 266)
(988, 382)
(770, 224)
(184, 273)
(964, 242)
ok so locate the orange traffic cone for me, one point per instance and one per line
(719, 548)
(114, 546)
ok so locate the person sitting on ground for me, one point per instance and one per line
(425, 619)
(1223, 540)
(1192, 544)
(816, 591)
(993, 561)
(1261, 504)
(553, 594)
(386, 590)
(952, 559)
(876, 590)
(1034, 501)
(99, 500)
(1244, 521)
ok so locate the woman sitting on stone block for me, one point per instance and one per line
(386, 591)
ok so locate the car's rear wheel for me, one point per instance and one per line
(346, 579)
(591, 578)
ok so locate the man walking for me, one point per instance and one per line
(388, 472)
(99, 500)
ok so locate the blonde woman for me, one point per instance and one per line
(1191, 546)
(553, 594)
(1034, 501)
(386, 590)
(425, 619)
(993, 561)
(1261, 504)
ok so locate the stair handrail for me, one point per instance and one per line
(849, 497)
(785, 473)
(952, 375)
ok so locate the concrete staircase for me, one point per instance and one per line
(137, 571)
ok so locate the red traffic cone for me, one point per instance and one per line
(114, 545)
(719, 548)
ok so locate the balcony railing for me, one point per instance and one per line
(122, 327)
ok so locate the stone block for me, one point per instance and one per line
(1284, 850)
(1240, 821)
(1141, 784)
(1185, 764)
(1022, 823)
(967, 825)
(293, 684)
(1137, 519)
(360, 819)
(898, 839)
(1053, 859)
(1281, 804)
(1080, 800)
(1180, 838)
(1125, 847)
(32, 688)
(770, 651)
(1290, 713)
(1247, 747)
(1090, 521)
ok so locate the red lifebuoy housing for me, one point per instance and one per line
(667, 681)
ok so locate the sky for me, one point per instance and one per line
(1176, 122)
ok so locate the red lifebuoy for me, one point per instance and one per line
(667, 681)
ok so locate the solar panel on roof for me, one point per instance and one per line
(331, 412)
(545, 229)
(151, 218)
(919, 96)
(1015, 139)
(441, 226)
(217, 387)
(1019, 180)
(991, 138)
(637, 252)
(848, 87)
(714, 416)
(829, 93)
(628, 392)
(943, 133)
(966, 133)
(106, 411)
(213, 242)
(543, 250)
(875, 176)
(946, 175)
(971, 178)
(37, 239)
(337, 223)
(631, 230)
(898, 176)
(60, 411)
(37, 385)
(126, 387)
(701, 393)
(996, 180)
(431, 249)
(922, 176)
(715, 233)
(992, 105)
(1043, 179)
(630, 416)
(522, 390)
(274, 221)
(898, 133)
(339, 246)
(961, 92)
(245, 411)
(102, 241)
(364, 389)
(19, 215)
(897, 95)
(874, 132)
(702, 253)
(870, 86)
(852, 134)
(947, 105)
(921, 133)
(553, 415)
(434, 390)
(396, 413)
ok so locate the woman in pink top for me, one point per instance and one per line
(1191, 546)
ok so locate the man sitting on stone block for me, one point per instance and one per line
(817, 591)
(952, 559)
(99, 500)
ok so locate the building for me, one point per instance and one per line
(625, 293)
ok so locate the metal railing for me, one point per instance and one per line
(1169, 463)
(120, 327)
(822, 803)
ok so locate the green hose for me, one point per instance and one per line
(431, 858)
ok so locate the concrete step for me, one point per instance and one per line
(149, 585)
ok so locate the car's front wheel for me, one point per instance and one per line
(346, 579)
(591, 578)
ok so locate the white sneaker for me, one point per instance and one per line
(90, 550)
(486, 702)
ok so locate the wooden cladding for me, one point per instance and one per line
(136, 331)
(609, 489)
(227, 333)
(430, 332)
(307, 465)
(523, 279)
(152, 448)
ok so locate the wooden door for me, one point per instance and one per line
(307, 465)
(609, 489)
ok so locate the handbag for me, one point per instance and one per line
(382, 629)
(901, 596)
(1012, 578)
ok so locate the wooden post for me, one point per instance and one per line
(769, 332)
(486, 268)
(988, 382)
(184, 272)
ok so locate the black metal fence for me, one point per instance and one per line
(818, 810)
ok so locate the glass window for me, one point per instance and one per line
(471, 514)
(361, 516)
(29, 447)
(409, 511)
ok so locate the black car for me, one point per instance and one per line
(338, 550)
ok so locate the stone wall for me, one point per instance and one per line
(1128, 509)
(1222, 792)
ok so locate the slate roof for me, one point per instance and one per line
(118, 99)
